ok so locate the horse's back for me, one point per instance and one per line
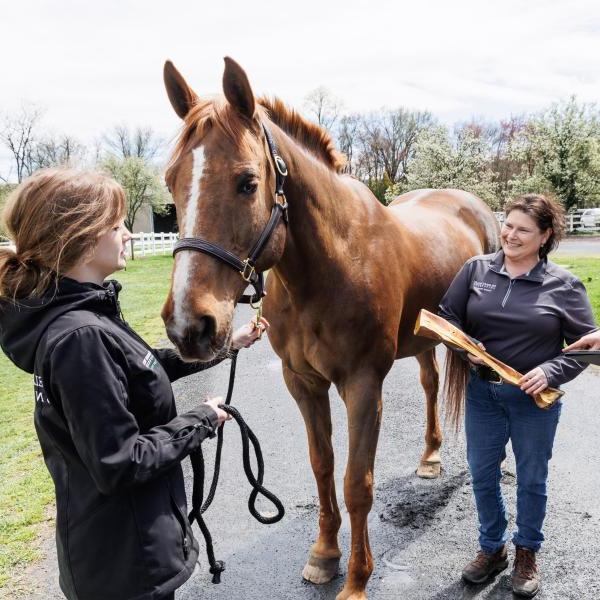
(431, 210)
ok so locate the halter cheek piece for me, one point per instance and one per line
(247, 268)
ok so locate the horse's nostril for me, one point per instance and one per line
(205, 328)
(195, 339)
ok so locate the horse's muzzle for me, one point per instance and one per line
(196, 340)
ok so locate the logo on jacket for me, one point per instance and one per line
(38, 388)
(482, 285)
(150, 361)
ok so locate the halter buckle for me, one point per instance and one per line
(257, 306)
(248, 271)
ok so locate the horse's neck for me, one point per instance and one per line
(324, 212)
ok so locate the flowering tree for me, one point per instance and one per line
(560, 153)
(461, 162)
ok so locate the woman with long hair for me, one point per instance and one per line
(105, 413)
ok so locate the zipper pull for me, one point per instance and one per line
(186, 547)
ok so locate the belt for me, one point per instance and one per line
(486, 373)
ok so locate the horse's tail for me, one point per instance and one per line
(456, 376)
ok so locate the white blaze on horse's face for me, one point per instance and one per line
(181, 274)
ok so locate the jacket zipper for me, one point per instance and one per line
(504, 300)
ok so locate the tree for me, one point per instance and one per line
(323, 106)
(505, 163)
(142, 185)
(560, 149)
(391, 135)
(440, 161)
(5, 190)
(380, 145)
(18, 134)
(56, 151)
(140, 142)
(348, 132)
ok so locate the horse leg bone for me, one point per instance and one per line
(313, 400)
(430, 463)
(363, 402)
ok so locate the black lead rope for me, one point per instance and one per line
(199, 506)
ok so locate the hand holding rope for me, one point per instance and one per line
(199, 506)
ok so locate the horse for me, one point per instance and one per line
(347, 279)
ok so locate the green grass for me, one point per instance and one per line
(588, 270)
(26, 491)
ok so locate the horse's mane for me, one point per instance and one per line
(311, 136)
(219, 113)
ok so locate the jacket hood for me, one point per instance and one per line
(23, 322)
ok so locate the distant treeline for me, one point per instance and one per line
(555, 151)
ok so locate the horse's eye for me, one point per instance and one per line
(247, 187)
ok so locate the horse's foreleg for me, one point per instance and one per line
(363, 402)
(430, 464)
(312, 397)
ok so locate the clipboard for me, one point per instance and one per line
(587, 356)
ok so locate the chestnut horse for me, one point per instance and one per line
(348, 277)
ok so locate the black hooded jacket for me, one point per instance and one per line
(112, 440)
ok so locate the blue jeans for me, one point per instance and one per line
(495, 414)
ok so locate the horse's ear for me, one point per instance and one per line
(237, 88)
(181, 95)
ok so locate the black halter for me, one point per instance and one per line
(247, 268)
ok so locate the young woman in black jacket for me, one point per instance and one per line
(105, 413)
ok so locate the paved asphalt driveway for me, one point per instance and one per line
(422, 532)
(580, 246)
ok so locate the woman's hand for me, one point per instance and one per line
(534, 382)
(221, 414)
(246, 335)
(474, 359)
(591, 341)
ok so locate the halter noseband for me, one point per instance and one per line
(247, 268)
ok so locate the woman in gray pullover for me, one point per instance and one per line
(521, 308)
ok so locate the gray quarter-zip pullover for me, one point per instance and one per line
(522, 321)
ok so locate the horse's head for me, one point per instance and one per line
(222, 179)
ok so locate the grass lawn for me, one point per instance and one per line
(588, 270)
(26, 493)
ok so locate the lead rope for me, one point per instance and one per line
(197, 460)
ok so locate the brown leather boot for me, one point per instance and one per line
(485, 565)
(525, 575)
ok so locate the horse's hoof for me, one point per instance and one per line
(320, 570)
(429, 469)
(351, 595)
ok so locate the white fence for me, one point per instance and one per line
(151, 244)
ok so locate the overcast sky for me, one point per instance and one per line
(93, 65)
